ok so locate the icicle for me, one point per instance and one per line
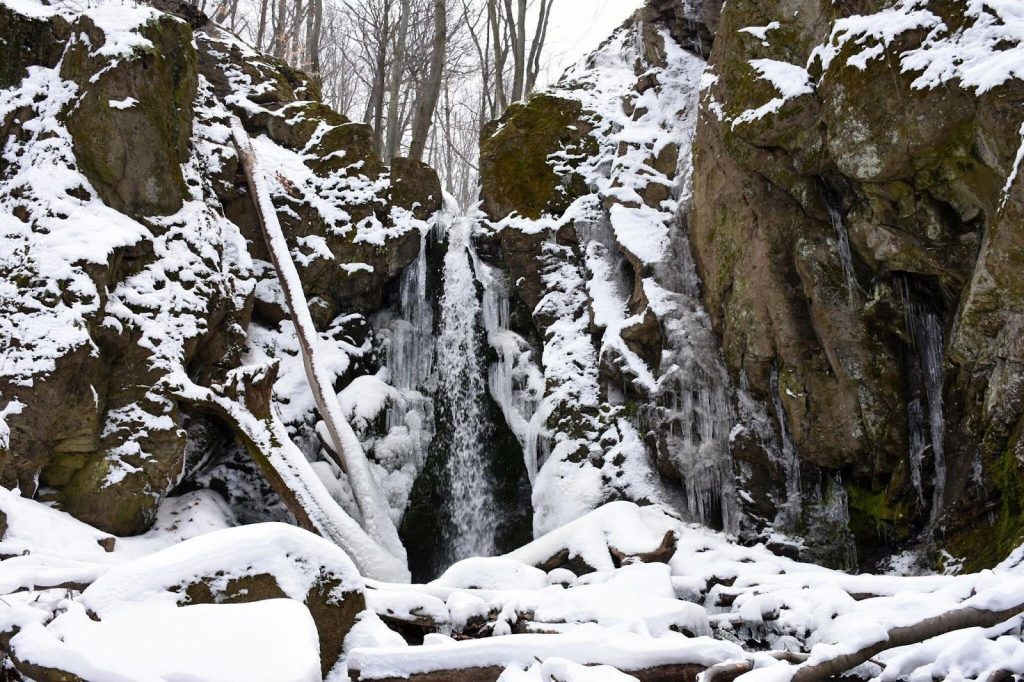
(515, 382)
(790, 514)
(845, 257)
(924, 327)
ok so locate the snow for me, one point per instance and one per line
(587, 645)
(701, 607)
(126, 103)
(982, 54)
(761, 32)
(791, 81)
(119, 23)
(296, 559)
(493, 573)
(200, 642)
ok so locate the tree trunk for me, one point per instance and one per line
(518, 31)
(376, 517)
(314, 29)
(245, 406)
(277, 45)
(394, 133)
(376, 110)
(261, 31)
(428, 101)
(540, 36)
(500, 53)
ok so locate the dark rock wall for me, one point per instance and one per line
(917, 179)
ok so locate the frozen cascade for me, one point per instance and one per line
(410, 355)
(926, 423)
(845, 257)
(694, 394)
(462, 396)
(515, 382)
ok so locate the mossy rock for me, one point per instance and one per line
(25, 42)
(294, 124)
(132, 156)
(346, 146)
(415, 187)
(333, 614)
(987, 537)
(516, 170)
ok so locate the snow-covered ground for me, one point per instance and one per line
(75, 599)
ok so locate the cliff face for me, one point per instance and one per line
(819, 334)
(856, 223)
(761, 266)
(131, 252)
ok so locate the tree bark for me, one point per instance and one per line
(517, 29)
(540, 36)
(428, 101)
(314, 28)
(394, 132)
(494, 20)
(261, 31)
(245, 406)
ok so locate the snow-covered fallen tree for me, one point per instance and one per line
(244, 404)
(376, 519)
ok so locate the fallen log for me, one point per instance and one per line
(950, 621)
(686, 672)
(376, 517)
(244, 404)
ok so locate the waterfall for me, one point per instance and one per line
(845, 257)
(461, 391)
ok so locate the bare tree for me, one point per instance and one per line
(428, 98)
(397, 71)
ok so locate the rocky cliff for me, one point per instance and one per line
(814, 324)
(856, 223)
(759, 265)
(130, 252)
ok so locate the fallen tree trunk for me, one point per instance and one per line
(950, 621)
(676, 672)
(244, 404)
(376, 517)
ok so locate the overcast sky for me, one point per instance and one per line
(579, 26)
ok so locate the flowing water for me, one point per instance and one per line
(789, 513)
(461, 394)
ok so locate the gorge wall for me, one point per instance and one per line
(823, 306)
(759, 265)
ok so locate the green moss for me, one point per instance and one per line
(878, 522)
(984, 545)
(875, 504)
(516, 170)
